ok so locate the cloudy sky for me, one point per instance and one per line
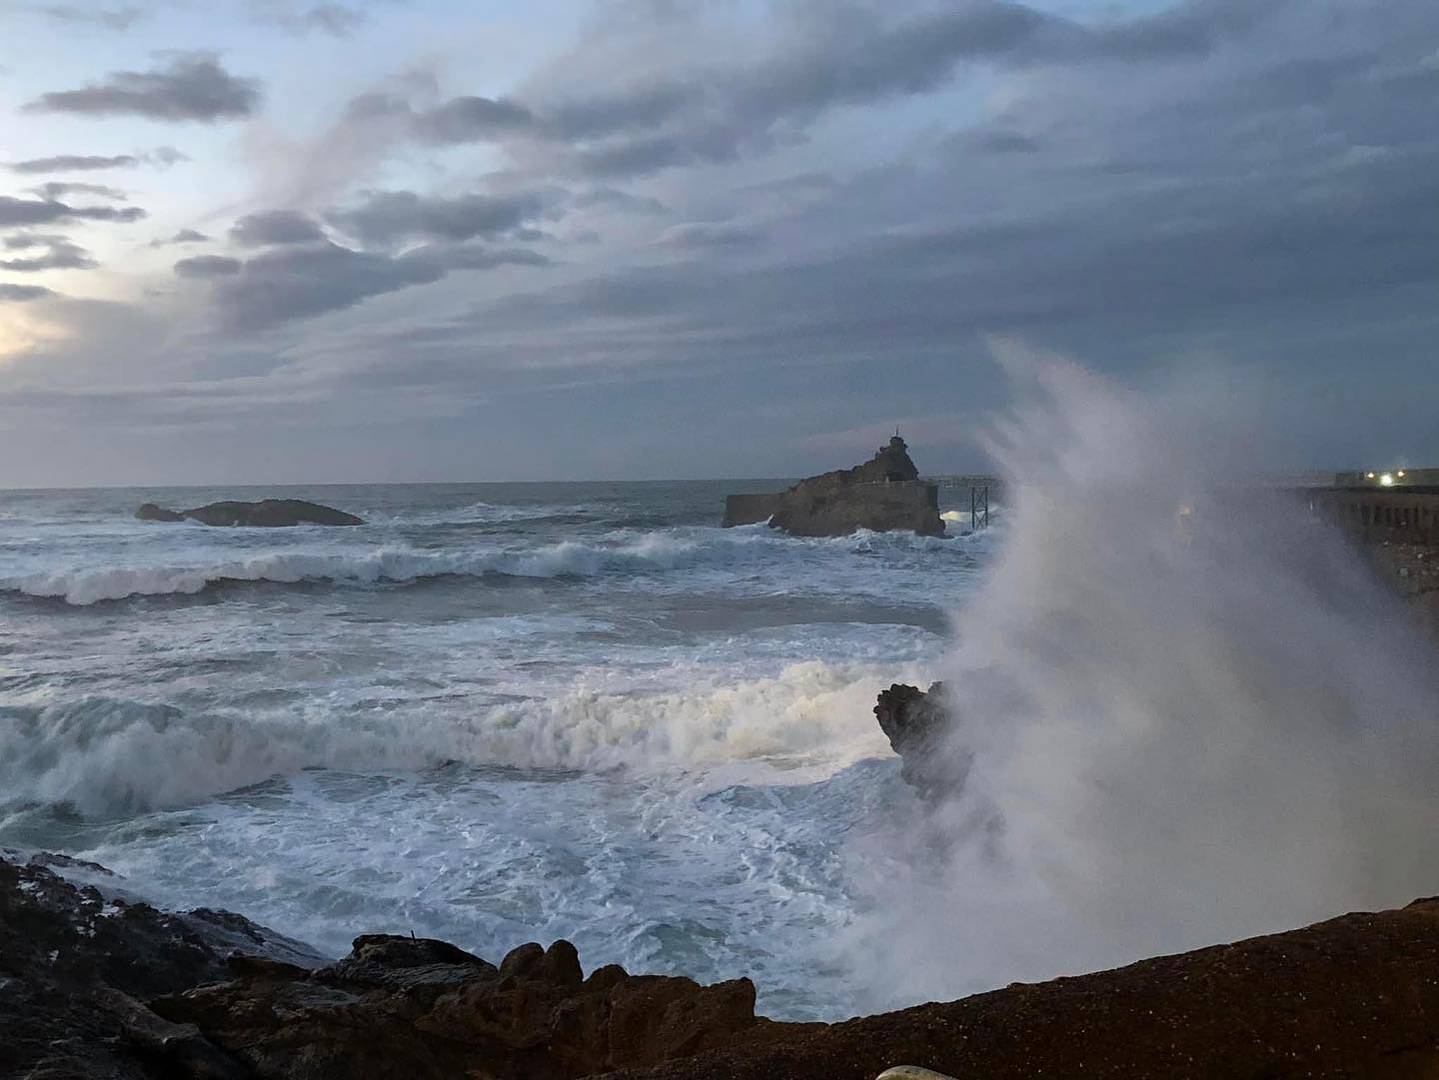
(268, 241)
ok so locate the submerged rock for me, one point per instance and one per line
(884, 494)
(267, 513)
(918, 723)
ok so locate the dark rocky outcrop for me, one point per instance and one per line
(267, 513)
(917, 723)
(1357, 996)
(884, 494)
(95, 988)
(77, 961)
(409, 1009)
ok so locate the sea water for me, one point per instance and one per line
(491, 714)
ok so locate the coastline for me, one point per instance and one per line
(95, 986)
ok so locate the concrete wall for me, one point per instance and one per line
(750, 509)
(1399, 514)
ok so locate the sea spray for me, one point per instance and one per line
(1191, 713)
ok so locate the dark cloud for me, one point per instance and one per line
(108, 18)
(207, 266)
(60, 254)
(471, 119)
(390, 217)
(25, 212)
(184, 236)
(193, 86)
(18, 293)
(275, 227)
(58, 189)
(289, 283)
(615, 199)
(338, 20)
(711, 234)
(73, 163)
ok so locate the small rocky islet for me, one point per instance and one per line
(266, 513)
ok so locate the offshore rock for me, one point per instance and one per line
(267, 513)
(884, 494)
(918, 723)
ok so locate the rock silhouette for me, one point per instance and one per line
(267, 513)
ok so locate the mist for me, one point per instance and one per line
(1187, 711)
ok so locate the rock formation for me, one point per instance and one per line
(883, 494)
(267, 513)
(77, 962)
(1354, 996)
(917, 723)
(94, 987)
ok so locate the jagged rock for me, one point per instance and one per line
(413, 1008)
(76, 963)
(917, 723)
(884, 494)
(267, 513)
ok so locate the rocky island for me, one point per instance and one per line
(884, 494)
(267, 513)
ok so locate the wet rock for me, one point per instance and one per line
(411, 1008)
(267, 513)
(76, 964)
(918, 724)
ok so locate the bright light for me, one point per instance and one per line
(1369, 475)
(1400, 474)
(1387, 480)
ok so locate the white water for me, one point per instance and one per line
(490, 715)
(1182, 730)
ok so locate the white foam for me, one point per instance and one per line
(108, 756)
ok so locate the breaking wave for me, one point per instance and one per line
(648, 553)
(106, 756)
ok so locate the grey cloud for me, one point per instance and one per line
(289, 283)
(338, 20)
(471, 119)
(193, 86)
(25, 212)
(60, 254)
(275, 227)
(19, 293)
(389, 217)
(711, 234)
(57, 189)
(23, 240)
(108, 18)
(207, 266)
(184, 236)
(73, 163)
(613, 198)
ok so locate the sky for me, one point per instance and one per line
(267, 241)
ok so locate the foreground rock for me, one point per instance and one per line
(1357, 996)
(917, 723)
(267, 513)
(77, 962)
(96, 988)
(884, 494)
(411, 1008)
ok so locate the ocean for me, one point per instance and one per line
(494, 713)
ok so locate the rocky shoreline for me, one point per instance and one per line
(94, 986)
